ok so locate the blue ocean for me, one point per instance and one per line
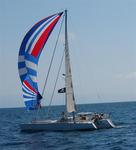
(123, 137)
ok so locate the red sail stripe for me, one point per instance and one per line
(43, 38)
(30, 87)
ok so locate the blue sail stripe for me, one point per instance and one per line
(30, 58)
(30, 105)
(35, 85)
(21, 65)
(29, 97)
(22, 77)
(32, 72)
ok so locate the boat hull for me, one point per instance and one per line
(65, 126)
(56, 126)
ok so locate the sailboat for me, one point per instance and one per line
(29, 54)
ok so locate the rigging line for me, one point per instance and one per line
(45, 83)
(55, 83)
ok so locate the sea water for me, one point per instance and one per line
(123, 137)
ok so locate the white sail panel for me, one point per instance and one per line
(22, 71)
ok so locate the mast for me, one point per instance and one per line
(70, 100)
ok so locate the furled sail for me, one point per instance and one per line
(29, 54)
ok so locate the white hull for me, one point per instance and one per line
(65, 126)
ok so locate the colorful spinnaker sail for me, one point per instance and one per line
(29, 54)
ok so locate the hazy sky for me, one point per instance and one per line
(102, 38)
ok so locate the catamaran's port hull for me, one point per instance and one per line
(71, 126)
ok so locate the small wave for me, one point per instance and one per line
(126, 125)
(122, 126)
(13, 143)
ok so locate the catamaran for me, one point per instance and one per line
(29, 54)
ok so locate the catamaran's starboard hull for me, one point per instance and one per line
(58, 126)
(104, 124)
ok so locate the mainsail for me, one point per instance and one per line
(29, 54)
(70, 100)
